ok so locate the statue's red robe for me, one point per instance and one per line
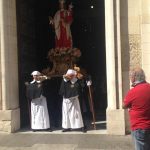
(62, 21)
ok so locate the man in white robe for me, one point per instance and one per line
(39, 112)
(71, 112)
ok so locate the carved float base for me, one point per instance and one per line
(62, 61)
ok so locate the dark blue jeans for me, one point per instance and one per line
(141, 139)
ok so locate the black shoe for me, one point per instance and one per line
(83, 129)
(65, 130)
(34, 130)
(49, 130)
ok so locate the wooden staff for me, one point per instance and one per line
(92, 106)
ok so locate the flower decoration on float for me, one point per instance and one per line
(62, 1)
(67, 55)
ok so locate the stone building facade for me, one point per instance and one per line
(127, 32)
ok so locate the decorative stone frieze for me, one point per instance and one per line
(135, 50)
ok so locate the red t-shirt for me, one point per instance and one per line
(138, 101)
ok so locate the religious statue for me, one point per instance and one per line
(63, 55)
(61, 22)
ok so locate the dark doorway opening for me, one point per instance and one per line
(36, 38)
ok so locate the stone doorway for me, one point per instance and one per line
(36, 37)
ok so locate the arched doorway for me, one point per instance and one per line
(36, 37)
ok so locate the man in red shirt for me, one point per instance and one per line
(138, 102)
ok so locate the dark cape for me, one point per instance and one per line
(34, 90)
(67, 89)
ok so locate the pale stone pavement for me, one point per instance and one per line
(56, 140)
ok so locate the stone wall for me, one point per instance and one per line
(135, 28)
(130, 38)
(145, 40)
(134, 19)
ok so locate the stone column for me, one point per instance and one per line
(0, 74)
(110, 54)
(10, 112)
(119, 62)
(115, 114)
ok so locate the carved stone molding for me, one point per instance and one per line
(135, 50)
